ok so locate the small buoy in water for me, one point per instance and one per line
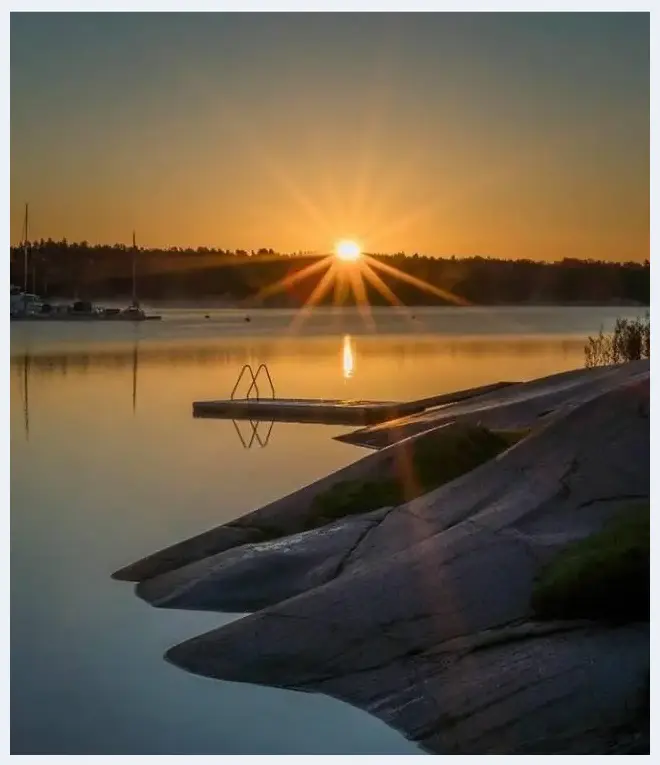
(247, 318)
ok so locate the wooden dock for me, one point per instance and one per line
(329, 411)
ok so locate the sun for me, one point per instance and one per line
(347, 249)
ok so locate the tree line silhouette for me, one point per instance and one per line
(80, 270)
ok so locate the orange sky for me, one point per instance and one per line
(509, 135)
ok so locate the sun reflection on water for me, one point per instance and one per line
(348, 358)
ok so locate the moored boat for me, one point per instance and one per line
(26, 306)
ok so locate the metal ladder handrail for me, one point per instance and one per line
(254, 384)
(246, 368)
(260, 368)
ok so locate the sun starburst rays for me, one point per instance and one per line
(450, 297)
(361, 298)
(349, 279)
(379, 285)
(349, 272)
(318, 293)
(290, 280)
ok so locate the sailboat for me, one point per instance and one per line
(27, 306)
(24, 304)
(134, 312)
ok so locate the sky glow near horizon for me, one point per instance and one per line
(511, 135)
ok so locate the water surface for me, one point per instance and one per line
(107, 465)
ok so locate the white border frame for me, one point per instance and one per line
(317, 5)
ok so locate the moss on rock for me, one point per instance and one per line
(425, 464)
(605, 577)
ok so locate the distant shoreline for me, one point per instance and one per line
(183, 278)
(212, 303)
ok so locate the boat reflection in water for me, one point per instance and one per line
(24, 364)
(251, 433)
(258, 434)
(26, 395)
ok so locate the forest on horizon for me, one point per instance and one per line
(83, 271)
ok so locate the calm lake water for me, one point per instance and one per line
(107, 465)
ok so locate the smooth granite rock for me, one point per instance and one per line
(522, 406)
(254, 576)
(420, 614)
(557, 486)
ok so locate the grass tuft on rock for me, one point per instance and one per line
(427, 463)
(605, 577)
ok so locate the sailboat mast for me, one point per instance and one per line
(25, 251)
(134, 269)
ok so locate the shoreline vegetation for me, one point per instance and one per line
(629, 341)
(233, 278)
